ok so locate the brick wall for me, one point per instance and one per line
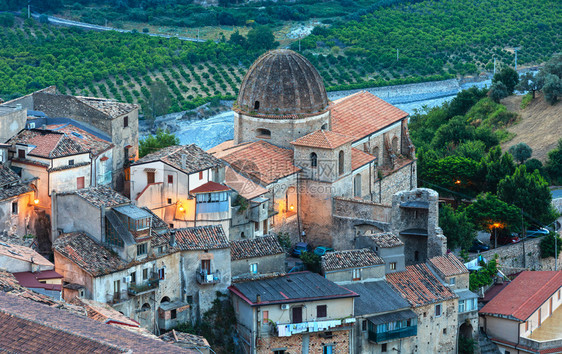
(294, 344)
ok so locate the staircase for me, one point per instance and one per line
(486, 346)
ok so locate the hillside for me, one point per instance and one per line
(540, 126)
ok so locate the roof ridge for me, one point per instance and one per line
(538, 291)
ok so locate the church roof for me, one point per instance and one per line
(362, 114)
(323, 139)
(360, 158)
(279, 83)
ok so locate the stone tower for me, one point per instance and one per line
(281, 99)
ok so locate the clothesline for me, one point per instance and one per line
(295, 328)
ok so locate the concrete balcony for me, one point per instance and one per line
(142, 288)
(205, 277)
(392, 335)
(289, 329)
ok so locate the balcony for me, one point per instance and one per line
(142, 288)
(204, 277)
(394, 334)
(289, 329)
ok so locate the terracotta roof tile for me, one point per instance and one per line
(23, 253)
(90, 256)
(350, 259)
(448, 265)
(185, 339)
(386, 239)
(210, 187)
(256, 247)
(201, 238)
(362, 114)
(323, 139)
(48, 143)
(419, 286)
(360, 158)
(196, 159)
(524, 295)
(112, 108)
(262, 161)
(101, 196)
(103, 312)
(11, 184)
(87, 140)
(242, 185)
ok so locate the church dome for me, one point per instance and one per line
(282, 82)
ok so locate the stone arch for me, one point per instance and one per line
(145, 307)
(375, 152)
(395, 145)
(357, 185)
(256, 105)
(164, 300)
(313, 160)
(465, 330)
(341, 163)
(263, 133)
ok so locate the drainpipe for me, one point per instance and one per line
(53, 215)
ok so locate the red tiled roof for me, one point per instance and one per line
(386, 239)
(48, 143)
(262, 161)
(323, 139)
(448, 265)
(101, 196)
(350, 259)
(419, 286)
(23, 253)
(210, 187)
(201, 238)
(524, 295)
(189, 158)
(360, 158)
(256, 247)
(242, 185)
(87, 140)
(30, 280)
(362, 114)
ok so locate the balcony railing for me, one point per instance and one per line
(394, 334)
(205, 277)
(138, 289)
(288, 329)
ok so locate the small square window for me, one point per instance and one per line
(173, 314)
(170, 179)
(70, 162)
(141, 249)
(125, 121)
(189, 299)
(452, 281)
(15, 208)
(383, 348)
(444, 330)
(392, 265)
(364, 325)
(169, 200)
(254, 268)
(321, 311)
(171, 226)
(437, 310)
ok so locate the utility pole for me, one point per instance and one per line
(523, 232)
(28, 8)
(494, 65)
(555, 246)
(516, 48)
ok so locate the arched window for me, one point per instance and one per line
(376, 152)
(313, 160)
(324, 126)
(145, 307)
(357, 186)
(395, 145)
(263, 133)
(165, 299)
(256, 105)
(341, 163)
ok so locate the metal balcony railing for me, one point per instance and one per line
(135, 289)
(394, 334)
(206, 277)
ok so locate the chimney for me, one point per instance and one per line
(173, 238)
(258, 298)
(183, 161)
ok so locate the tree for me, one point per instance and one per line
(494, 167)
(488, 212)
(261, 38)
(460, 232)
(237, 39)
(530, 192)
(498, 91)
(159, 101)
(521, 152)
(452, 172)
(554, 163)
(485, 276)
(508, 77)
(552, 88)
(535, 164)
(153, 143)
(530, 82)
(548, 244)
(312, 261)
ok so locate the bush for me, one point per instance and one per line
(285, 241)
(312, 261)
(547, 245)
(526, 100)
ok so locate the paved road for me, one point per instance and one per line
(65, 22)
(557, 193)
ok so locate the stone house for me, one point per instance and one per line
(350, 266)
(257, 256)
(17, 200)
(183, 186)
(526, 316)
(205, 265)
(456, 277)
(12, 120)
(384, 320)
(117, 120)
(305, 313)
(388, 246)
(435, 305)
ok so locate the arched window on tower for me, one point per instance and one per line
(256, 105)
(395, 145)
(263, 133)
(376, 152)
(341, 166)
(313, 160)
(357, 186)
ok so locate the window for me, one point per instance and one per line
(321, 311)
(364, 325)
(190, 299)
(256, 226)
(461, 305)
(145, 274)
(79, 182)
(21, 154)
(416, 256)
(558, 294)
(328, 349)
(150, 177)
(437, 310)
(395, 145)
(263, 133)
(444, 330)
(540, 315)
(376, 152)
(297, 314)
(280, 351)
(141, 249)
(162, 273)
(70, 162)
(169, 200)
(256, 105)
(383, 348)
(356, 274)
(125, 121)
(200, 175)
(340, 163)
(171, 226)
(133, 277)
(206, 266)
(313, 160)
(116, 287)
(526, 326)
(452, 281)
(173, 314)
(392, 265)
(170, 179)
(254, 268)
(357, 186)
(265, 316)
(507, 352)
(15, 207)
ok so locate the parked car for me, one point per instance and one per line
(505, 239)
(321, 250)
(478, 246)
(300, 248)
(537, 232)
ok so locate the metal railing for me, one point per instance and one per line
(206, 277)
(394, 334)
